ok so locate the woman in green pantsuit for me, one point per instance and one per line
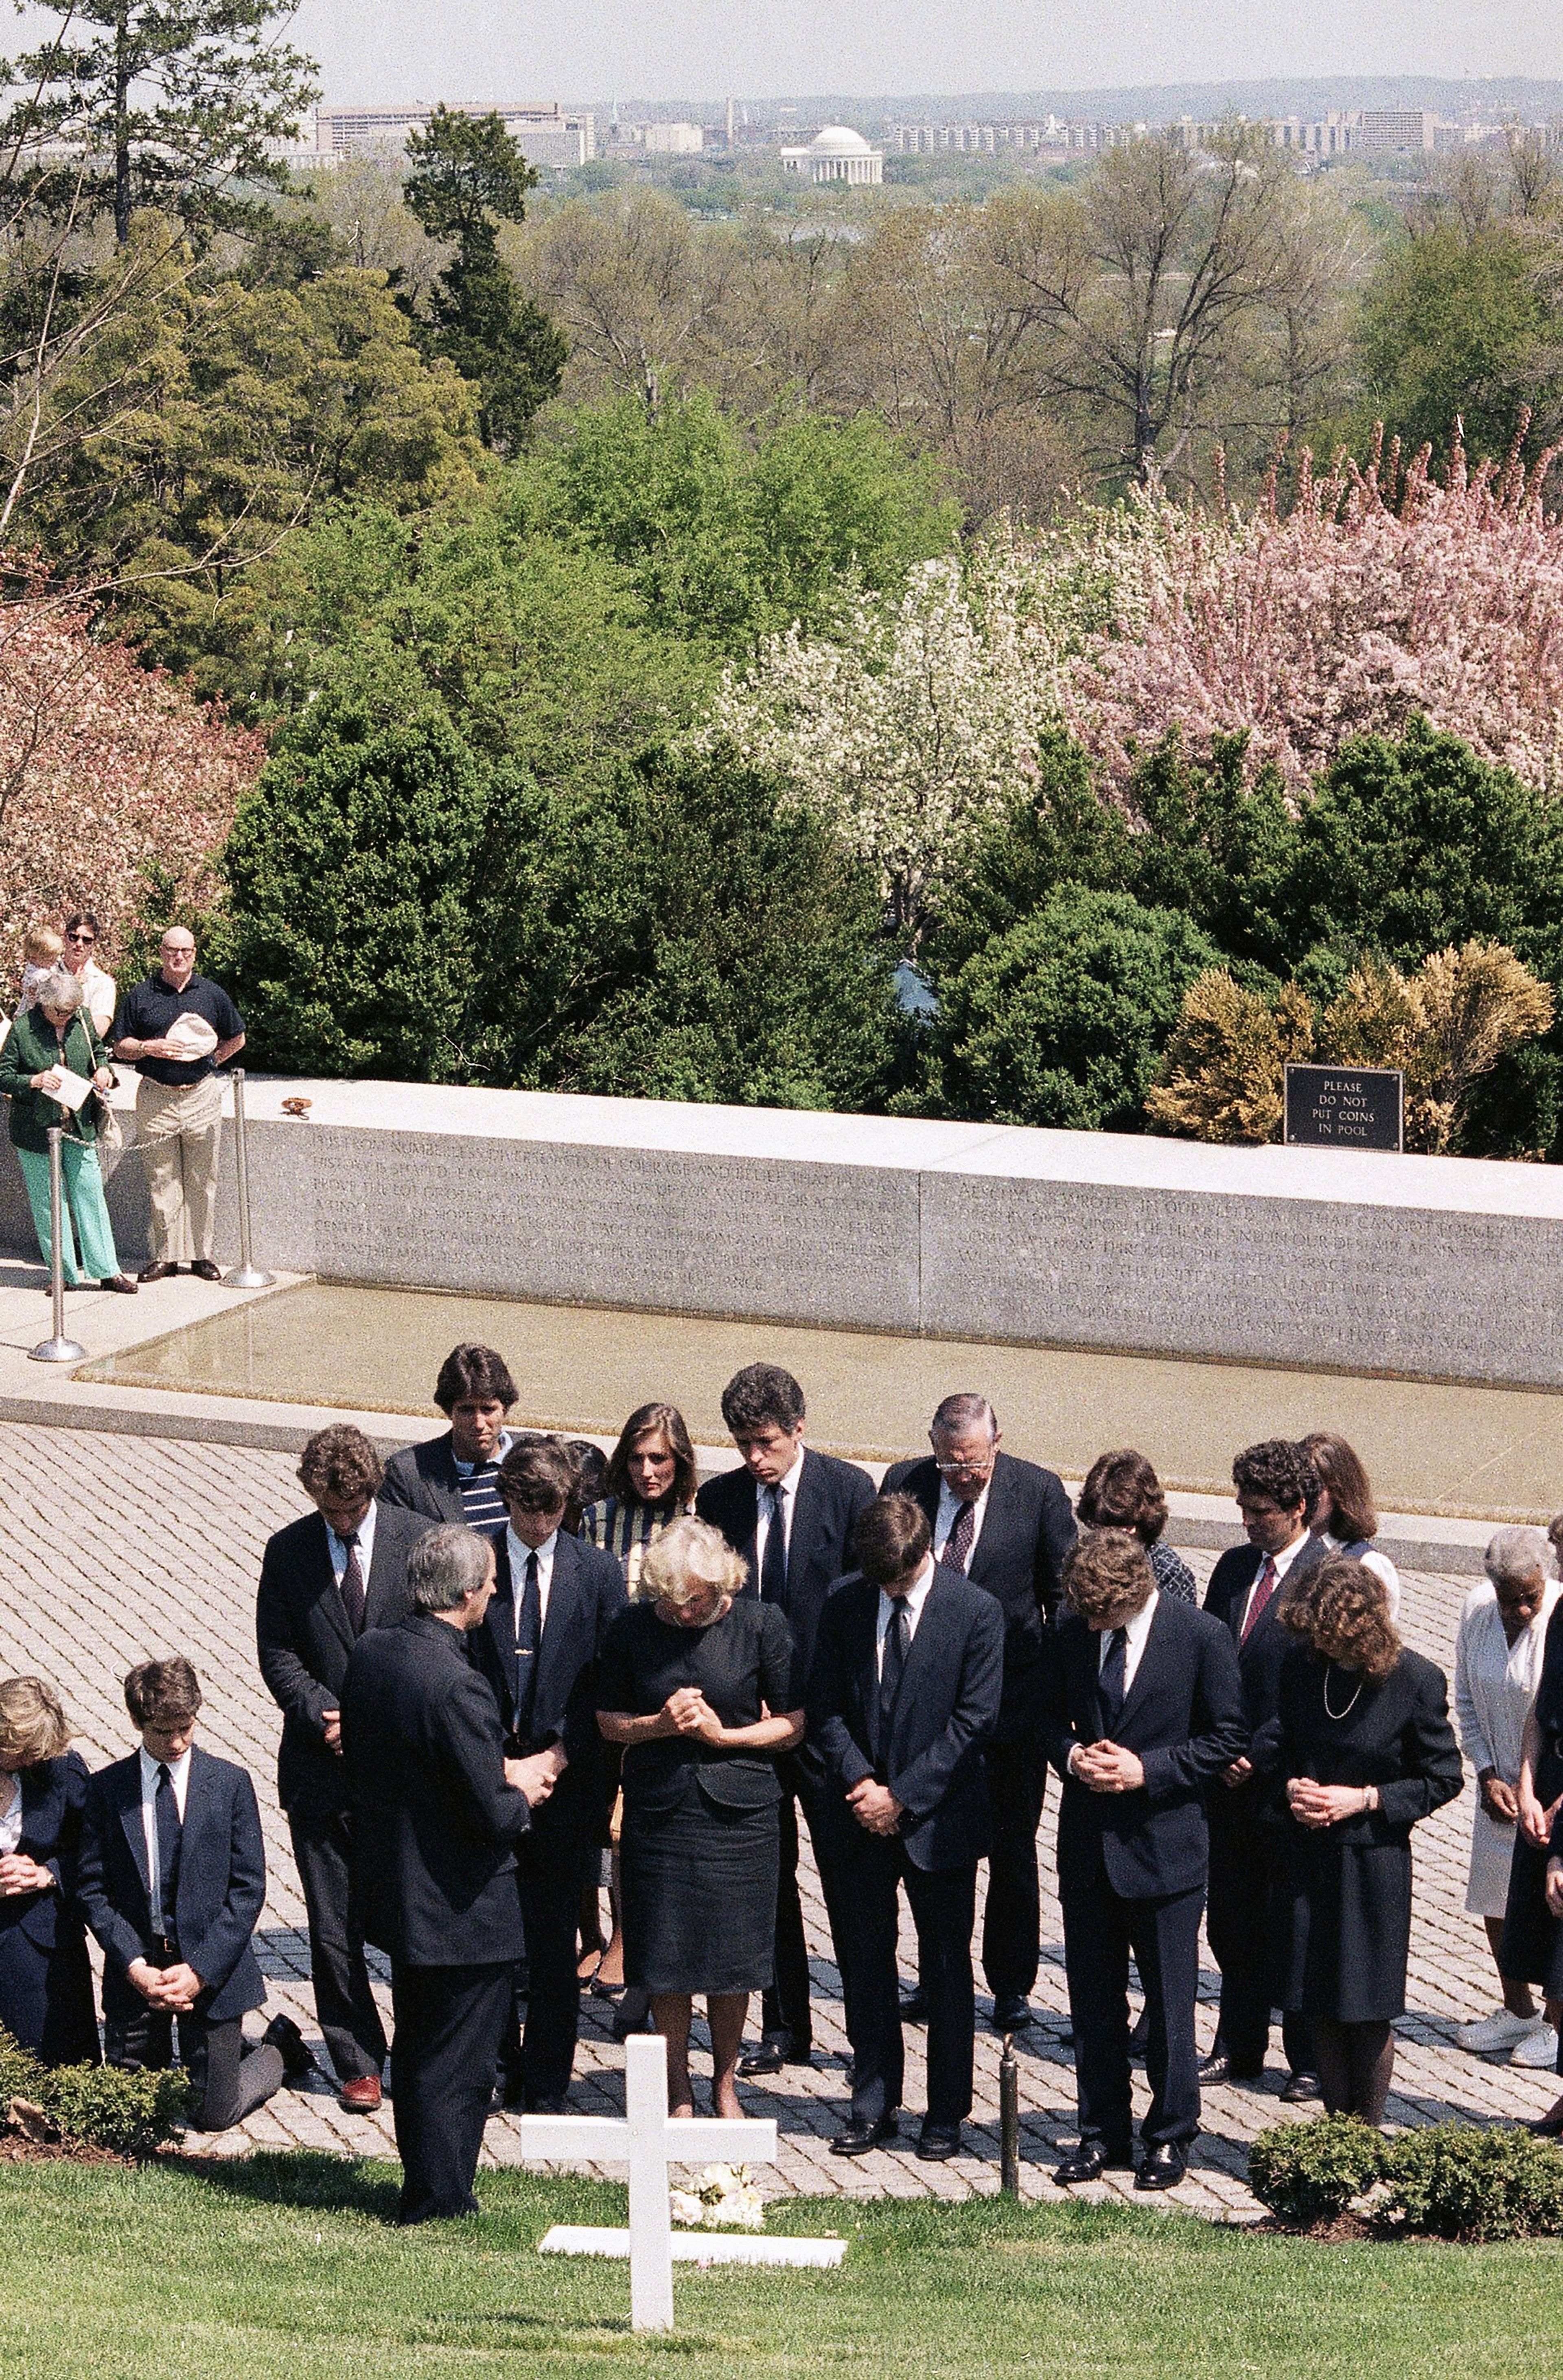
(58, 1031)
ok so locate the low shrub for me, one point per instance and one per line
(1464, 2184)
(1310, 2173)
(100, 2106)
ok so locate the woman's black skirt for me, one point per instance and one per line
(1531, 1947)
(700, 1897)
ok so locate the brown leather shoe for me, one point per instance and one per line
(121, 1283)
(363, 2096)
(204, 1269)
(158, 1269)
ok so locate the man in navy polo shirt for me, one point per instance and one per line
(177, 1027)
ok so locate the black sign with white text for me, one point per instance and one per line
(1345, 1107)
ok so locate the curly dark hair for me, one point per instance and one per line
(1122, 1491)
(339, 1461)
(1281, 1471)
(1340, 1607)
(761, 1395)
(1108, 1577)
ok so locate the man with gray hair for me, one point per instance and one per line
(437, 1810)
(1007, 1526)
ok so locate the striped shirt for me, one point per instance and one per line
(624, 1527)
(482, 1507)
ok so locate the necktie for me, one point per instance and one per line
(351, 1588)
(897, 1640)
(1113, 1683)
(529, 1632)
(772, 1568)
(957, 1551)
(1259, 1601)
(170, 1836)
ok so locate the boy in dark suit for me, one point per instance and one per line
(904, 1696)
(790, 1514)
(539, 1647)
(1008, 1525)
(1145, 1710)
(172, 1881)
(324, 1580)
(1277, 1488)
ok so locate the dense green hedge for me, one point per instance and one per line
(1454, 2182)
(132, 2114)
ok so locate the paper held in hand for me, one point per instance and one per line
(190, 1036)
(71, 1089)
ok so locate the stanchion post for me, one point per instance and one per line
(1009, 2119)
(59, 1349)
(246, 1274)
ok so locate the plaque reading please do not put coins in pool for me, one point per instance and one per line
(1345, 1107)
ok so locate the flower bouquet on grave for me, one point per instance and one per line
(725, 2200)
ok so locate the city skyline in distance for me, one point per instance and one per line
(906, 52)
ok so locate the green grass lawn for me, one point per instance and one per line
(287, 2268)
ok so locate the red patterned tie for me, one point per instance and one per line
(1259, 1602)
(957, 1550)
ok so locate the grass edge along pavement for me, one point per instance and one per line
(287, 2264)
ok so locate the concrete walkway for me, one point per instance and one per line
(113, 1546)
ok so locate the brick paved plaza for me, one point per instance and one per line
(119, 1546)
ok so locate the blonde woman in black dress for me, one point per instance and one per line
(694, 1686)
(1363, 1750)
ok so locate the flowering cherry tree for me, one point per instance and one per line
(109, 774)
(1380, 594)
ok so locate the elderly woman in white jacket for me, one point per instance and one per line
(1497, 1668)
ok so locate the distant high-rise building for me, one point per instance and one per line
(548, 135)
(1389, 128)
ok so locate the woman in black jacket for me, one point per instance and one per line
(45, 1981)
(1362, 1750)
(694, 1683)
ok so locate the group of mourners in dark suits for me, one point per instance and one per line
(483, 1688)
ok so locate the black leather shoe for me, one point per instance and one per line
(858, 2139)
(1013, 2013)
(548, 2107)
(777, 2049)
(283, 2034)
(1090, 2162)
(938, 2143)
(1218, 2068)
(204, 1269)
(1164, 2169)
(1297, 2088)
(914, 2007)
(159, 1269)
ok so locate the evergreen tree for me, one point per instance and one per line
(168, 103)
(467, 176)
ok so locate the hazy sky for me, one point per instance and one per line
(666, 49)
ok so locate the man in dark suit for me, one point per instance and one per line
(171, 1880)
(1008, 1525)
(790, 1514)
(324, 1580)
(438, 1810)
(1277, 1488)
(456, 1476)
(903, 1699)
(539, 1648)
(1145, 1709)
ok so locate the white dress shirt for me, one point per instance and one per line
(944, 1520)
(1283, 1562)
(911, 1603)
(366, 1547)
(1135, 1633)
(10, 1816)
(519, 1554)
(179, 1775)
(785, 1492)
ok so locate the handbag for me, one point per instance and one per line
(110, 1134)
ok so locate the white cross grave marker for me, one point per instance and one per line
(648, 2140)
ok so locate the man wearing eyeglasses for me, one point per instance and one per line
(99, 996)
(177, 1027)
(1008, 1526)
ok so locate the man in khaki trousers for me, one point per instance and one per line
(177, 1027)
